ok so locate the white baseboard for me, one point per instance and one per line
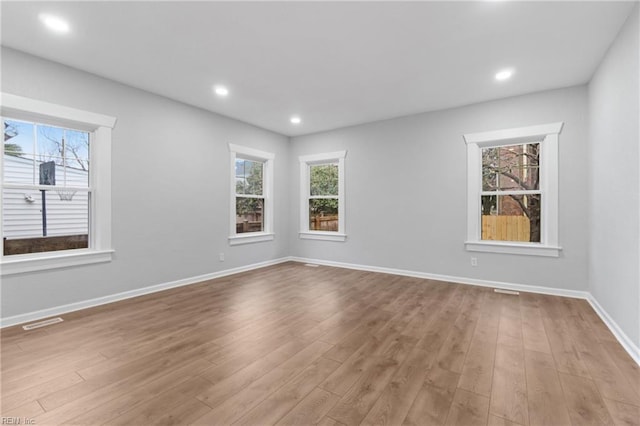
(71, 307)
(459, 280)
(631, 348)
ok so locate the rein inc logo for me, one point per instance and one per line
(17, 421)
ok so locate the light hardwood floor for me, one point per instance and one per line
(296, 345)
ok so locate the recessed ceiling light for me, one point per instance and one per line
(295, 119)
(54, 23)
(504, 74)
(221, 90)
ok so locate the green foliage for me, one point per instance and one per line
(323, 206)
(13, 149)
(10, 132)
(246, 206)
(249, 178)
(323, 180)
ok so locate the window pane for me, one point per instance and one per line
(511, 168)
(240, 185)
(63, 226)
(323, 214)
(20, 169)
(49, 146)
(76, 148)
(18, 138)
(46, 166)
(249, 215)
(511, 217)
(323, 179)
(240, 181)
(77, 175)
(249, 177)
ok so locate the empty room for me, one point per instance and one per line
(320, 213)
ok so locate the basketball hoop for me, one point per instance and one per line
(65, 194)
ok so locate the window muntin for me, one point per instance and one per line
(322, 196)
(45, 188)
(511, 197)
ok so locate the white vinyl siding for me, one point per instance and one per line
(23, 219)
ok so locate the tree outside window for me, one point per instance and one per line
(511, 197)
(323, 199)
(322, 196)
(249, 196)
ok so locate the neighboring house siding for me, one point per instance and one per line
(23, 219)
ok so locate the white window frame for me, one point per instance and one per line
(547, 135)
(306, 161)
(99, 126)
(267, 159)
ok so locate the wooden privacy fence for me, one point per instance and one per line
(43, 244)
(323, 223)
(505, 228)
(248, 226)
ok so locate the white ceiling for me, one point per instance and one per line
(334, 63)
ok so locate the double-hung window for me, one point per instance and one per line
(322, 209)
(251, 195)
(512, 190)
(511, 196)
(56, 186)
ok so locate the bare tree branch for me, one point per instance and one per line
(513, 177)
(518, 200)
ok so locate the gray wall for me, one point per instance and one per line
(162, 150)
(406, 191)
(614, 255)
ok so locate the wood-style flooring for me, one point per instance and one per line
(298, 345)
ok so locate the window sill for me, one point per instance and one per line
(253, 237)
(23, 263)
(319, 235)
(513, 248)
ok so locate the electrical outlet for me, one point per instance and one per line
(474, 261)
(221, 257)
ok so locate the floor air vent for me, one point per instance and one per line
(42, 323)
(311, 265)
(499, 290)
